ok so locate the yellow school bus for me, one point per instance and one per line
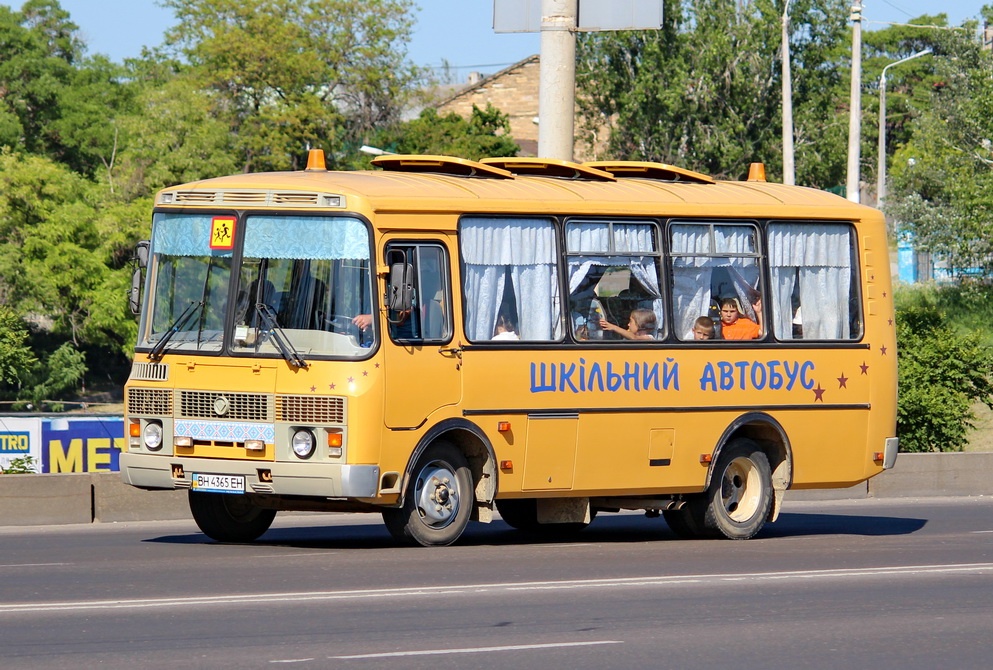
(438, 338)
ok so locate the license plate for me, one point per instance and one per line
(218, 483)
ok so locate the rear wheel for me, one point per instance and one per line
(740, 493)
(229, 518)
(438, 499)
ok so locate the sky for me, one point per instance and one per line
(458, 32)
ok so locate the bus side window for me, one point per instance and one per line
(713, 263)
(429, 316)
(613, 275)
(814, 281)
(510, 270)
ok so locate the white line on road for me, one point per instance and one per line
(291, 660)
(474, 589)
(31, 565)
(480, 650)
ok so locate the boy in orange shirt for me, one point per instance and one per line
(734, 326)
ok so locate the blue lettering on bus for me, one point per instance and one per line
(756, 375)
(584, 378)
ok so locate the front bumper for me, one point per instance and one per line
(327, 480)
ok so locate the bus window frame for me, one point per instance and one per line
(558, 231)
(659, 254)
(760, 255)
(856, 284)
(405, 245)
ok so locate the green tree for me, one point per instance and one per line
(62, 251)
(704, 91)
(16, 357)
(485, 133)
(941, 180)
(941, 373)
(287, 75)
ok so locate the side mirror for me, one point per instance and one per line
(141, 253)
(140, 260)
(134, 293)
(400, 293)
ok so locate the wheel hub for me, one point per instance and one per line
(437, 495)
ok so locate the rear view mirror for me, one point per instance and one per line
(141, 253)
(400, 292)
(134, 293)
(140, 261)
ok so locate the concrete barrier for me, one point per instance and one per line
(28, 500)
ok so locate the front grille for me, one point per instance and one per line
(310, 409)
(150, 372)
(149, 402)
(241, 406)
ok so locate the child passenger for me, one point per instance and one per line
(703, 329)
(505, 329)
(734, 326)
(641, 325)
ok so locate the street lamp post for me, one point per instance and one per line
(881, 170)
(789, 167)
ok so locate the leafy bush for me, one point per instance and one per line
(942, 371)
(24, 465)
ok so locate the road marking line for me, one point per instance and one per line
(480, 650)
(981, 531)
(32, 565)
(497, 588)
(292, 660)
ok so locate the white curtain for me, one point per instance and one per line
(819, 256)
(527, 248)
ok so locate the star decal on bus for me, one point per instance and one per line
(865, 368)
(882, 350)
(819, 393)
(842, 381)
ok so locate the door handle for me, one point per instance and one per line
(452, 351)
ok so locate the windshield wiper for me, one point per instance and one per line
(278, 336)
(177, 325)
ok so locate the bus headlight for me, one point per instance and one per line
(152, 435)
(304, 443)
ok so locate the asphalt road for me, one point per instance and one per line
(856, 584)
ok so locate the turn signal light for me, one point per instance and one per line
(506, 465)
(503, 426)
(706, 458)
(334, 439)
(878, 456)
(134, 429)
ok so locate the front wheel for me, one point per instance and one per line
(740, 493)
(227, 517)
(438, 499)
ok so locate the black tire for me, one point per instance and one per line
(438, 499)
(229, 518)
(522, 514)
(687, 522)
(740, 493)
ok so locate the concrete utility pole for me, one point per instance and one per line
(881, 170)
(789, 168)
(855, 120)
(557, 85)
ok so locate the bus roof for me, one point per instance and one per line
(425, 191)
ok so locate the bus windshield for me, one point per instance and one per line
(311, 273)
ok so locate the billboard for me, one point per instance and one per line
(70, 444)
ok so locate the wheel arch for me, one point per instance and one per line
(478, 451)
(771, 438)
